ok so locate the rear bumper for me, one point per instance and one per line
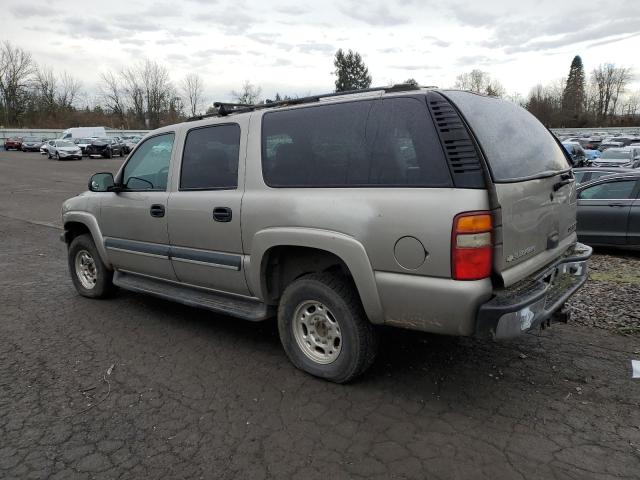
(535, 301)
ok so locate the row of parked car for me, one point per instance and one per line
(74, 148)
(599, 150)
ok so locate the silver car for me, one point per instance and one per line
(433, 210)
(63, 150)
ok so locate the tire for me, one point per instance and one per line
(102, 285)
(57, 157)
(109, 153)
(48, 154)
(343, 340)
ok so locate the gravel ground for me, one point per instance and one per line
(609, 300)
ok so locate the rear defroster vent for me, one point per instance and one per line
(457, 144)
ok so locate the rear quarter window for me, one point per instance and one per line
(390, 142)
(516, 145)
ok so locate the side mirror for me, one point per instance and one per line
(101, 182)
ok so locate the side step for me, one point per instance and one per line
(246, 309)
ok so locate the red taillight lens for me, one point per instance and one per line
(471, 246)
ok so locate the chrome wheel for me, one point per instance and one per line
(317, 332)
(86, 269)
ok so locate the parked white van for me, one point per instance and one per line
(84, 132)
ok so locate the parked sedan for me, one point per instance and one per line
(104, 147)
(609, 211)
(590, 174)
(575, 151)
(619, 157)
(44, 149)
(83, 143)
(12, 143)
(31, 144)
(64, 150)
(130, 144)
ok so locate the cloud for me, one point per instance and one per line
(313, 47)
(291, 10)
(212, 52)
(232, 21)
(377, 16)
(416, 67)
(438, 42)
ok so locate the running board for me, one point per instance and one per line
(246, 309)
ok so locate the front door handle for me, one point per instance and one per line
(222, 214)
(157, 210)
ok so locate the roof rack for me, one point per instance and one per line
(224, 109)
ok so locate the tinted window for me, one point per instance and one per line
(210, 158)
(609, 191)
(389, 142)
(579, 176)
(516, 144)
(148, 168)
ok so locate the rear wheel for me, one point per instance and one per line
(89, 274)
(323, 328)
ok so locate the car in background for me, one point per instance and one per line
(104, 147)
(63, 150)
(619, 157)
(130, 143)
(575, 151)
(83, 143)
(44, 149)
(31, 144)
(590, 174)
(592, 154)
(14, 143)
(605, 145)
(609, 211)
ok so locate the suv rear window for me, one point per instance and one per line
(390, 142)
(517, 146)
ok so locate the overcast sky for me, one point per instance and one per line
(288, 46)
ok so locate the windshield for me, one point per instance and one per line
(613, 154)
(66, 144)
(517, 146)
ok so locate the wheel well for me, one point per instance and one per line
(283, 264)
(74, 229)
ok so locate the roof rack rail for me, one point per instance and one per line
(223, 109)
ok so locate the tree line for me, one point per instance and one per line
(143, 96)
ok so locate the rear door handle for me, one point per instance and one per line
(222, 214)
(157, 210)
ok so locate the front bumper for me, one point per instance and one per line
(535, 301)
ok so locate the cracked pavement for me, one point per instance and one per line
(197, 395)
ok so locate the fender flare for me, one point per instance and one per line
(91, 223)
(345, 247)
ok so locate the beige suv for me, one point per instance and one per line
(433, 210)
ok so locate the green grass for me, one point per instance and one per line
(616, 277)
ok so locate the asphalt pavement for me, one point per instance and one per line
(136, 387)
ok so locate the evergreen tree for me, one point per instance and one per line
(573, 95)
(351, 71)
(411, 81)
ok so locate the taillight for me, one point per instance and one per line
(471, 246)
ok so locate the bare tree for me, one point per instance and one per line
(480, 82)
(249, 94)
(16, 69)
(46, 85)
(608, 83)
(112, 93)
(150, 92)
(192, 88)
(68, 90)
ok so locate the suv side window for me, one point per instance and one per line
(385, 143)
(148, 168)
(609, 191)
(210, 158)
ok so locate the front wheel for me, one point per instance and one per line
(89, 274)
(323, 328)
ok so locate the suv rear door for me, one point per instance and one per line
(532, 185)
(204, 211)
